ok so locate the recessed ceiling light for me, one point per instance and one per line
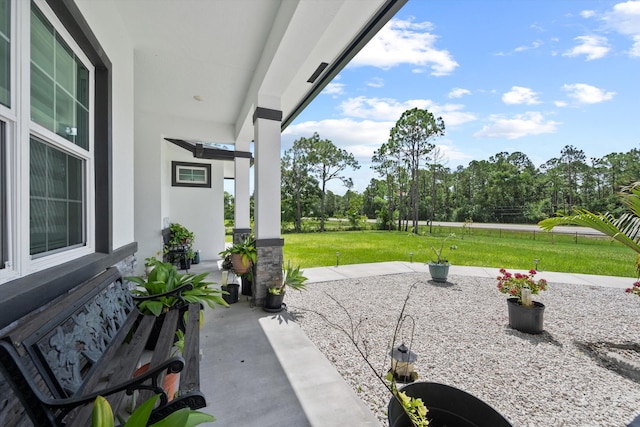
(198, 98)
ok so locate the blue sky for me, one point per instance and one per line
(530, 76)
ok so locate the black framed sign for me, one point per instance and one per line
(186, 174)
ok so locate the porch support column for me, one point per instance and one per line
(268, 269)
(241, 220)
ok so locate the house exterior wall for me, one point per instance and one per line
(157, 203)
(110, 32)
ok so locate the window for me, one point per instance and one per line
(60, 104)
(50, 184)
(185, 174)
(56, 199)
(59, 84)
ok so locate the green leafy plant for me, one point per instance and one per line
(102, 415)
(246, 250)
(513, 283)
(292, 277)
(414, 407)
(180, 236)
(442, 253)
(165, 278)
(625, 229)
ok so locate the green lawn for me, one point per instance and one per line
(515, 250)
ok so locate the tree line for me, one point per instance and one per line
(414, 183)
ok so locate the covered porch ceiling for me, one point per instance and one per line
(217, 60)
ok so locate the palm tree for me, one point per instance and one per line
(625, 229)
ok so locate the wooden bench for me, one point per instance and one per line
(89, 342)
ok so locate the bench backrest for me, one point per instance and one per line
(71, 336)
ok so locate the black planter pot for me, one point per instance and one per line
(185, 263)
(247, 286)
(526, 319)
(233, 289)
(448, 406)
(274, 303)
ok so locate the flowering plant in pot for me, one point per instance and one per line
(525, 314)
(635, 289)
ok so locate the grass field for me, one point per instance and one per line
(487, 248)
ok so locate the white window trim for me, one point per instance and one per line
(19, 130)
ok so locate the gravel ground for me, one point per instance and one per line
(462, 339)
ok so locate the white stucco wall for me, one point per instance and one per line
(157, 203)
(109, 30)
(201, 210)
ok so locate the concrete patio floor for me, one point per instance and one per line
(259, 369)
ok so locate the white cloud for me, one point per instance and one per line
(388, 109)
(587, 14)
(593, 47)
(586, 94)
(376, 82)
(360, 137)
(334, 89)
(625, 19)
(406, 42)
(458, 92)
(561, 104)
(536, 44)
(635, 49)
(520, 95)
(531, 123)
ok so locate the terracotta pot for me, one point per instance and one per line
(238, 266)
(170, 384)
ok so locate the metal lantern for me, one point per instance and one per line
(402, 360)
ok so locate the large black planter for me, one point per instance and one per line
(526, 319)
(233, 289)
(274, 303)
(448, 406)
(247, 286)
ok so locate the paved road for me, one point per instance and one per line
(520, 227)
(562, 229)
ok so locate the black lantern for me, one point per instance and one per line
(402, 360)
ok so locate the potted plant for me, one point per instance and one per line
(525, 315)
(247, 283)
(180, 245)
(231, 290)
(243, 255)
(292, 277)
(439, 268)
(164, 288)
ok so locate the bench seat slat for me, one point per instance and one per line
(190, 377)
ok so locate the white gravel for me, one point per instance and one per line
(462, 339)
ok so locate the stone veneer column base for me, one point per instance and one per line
(240, 234)
(268, 269)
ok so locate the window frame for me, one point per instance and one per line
(51, 258)
(175, 174)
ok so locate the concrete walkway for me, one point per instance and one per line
(259, 369)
